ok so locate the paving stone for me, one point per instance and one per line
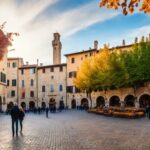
(76, 130)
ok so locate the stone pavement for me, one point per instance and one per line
(76, 130)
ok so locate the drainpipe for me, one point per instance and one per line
(37, 82)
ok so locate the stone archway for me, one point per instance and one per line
(129, 101)
(31, 105)
(114, 101)
(100, 101)
(0, 103)
(144, 100)
(23, 105)
(73, 104)
(84, 103)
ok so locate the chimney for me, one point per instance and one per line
(136, 40)
(96, 44)
(123, 43)
(41, 64)
(149, 37)
(27, 63)
(142, 40)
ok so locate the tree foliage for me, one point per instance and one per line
(109, 70)
(5, 40)
(127, 5)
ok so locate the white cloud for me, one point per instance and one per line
(35, 36)
(141, 31)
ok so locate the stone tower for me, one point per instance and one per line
(56, 49)
(96, 44)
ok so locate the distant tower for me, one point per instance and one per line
(56, 49)
(96, 45)
(123, 43)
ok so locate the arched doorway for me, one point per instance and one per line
(114, 101)
(0, 103)
(52, 105)
(100, 101)
(144, 100)
(84, 103)
(73, 104)
(129, 101)
(31, 105)
(43, 105)
(23, 105)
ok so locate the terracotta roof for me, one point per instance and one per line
(28, 66)
(14, 58)
(48, 66)
(84, 51)
(119, 47)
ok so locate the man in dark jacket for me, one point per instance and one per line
(14, 116)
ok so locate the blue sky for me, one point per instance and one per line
(79, 22)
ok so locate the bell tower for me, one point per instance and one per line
(56, 49)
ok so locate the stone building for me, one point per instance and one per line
(33, 85)
(74, 61)
(13, 79)
(28, 85)
(127, 96)
(3, 83)
(52, 84)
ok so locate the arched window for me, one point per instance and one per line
(60, 87)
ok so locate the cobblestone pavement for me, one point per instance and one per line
(76, 130)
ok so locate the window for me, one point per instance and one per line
(43, 70)
(91, 53)
(60, 87)
(72, 74)
(31, 93)
(14, 65)
(22, 71)
(23, 94)
(32, 82)
(43, 88)
(52, 69)
(81, 58)
(7, 82)
(3, 77)
(69, 89)
(72, 60)
(51, 88)
(14, 82)
(8, 65)
(61, 68)
(86, 56)
(22, 83)
(52, 77)
(32, 70)
(12, 93)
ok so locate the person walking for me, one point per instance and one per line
(14, 116)
(21, 117)
(47, 110)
